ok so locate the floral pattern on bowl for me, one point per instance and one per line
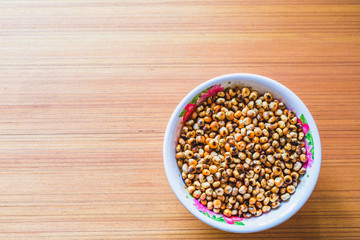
(198, 99)
(217, 217)
(309, 141)
(186, 113)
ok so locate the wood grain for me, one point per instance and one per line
(87, 88)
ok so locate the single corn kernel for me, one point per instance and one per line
(260, 197)
(290, 189)
(228, 189)
(245, 92)
(288, 179)
(285, 197)
(227, 212)
(197, 194)
(213, 144)
(217, 203)
(279, 181)
(297, 166)
(268, 97)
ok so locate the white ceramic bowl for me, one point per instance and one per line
(304, 189)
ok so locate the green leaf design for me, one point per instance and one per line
(302, 118)
(312, 153)
(207, 214)
(309, 137)
(239, 223)
(182, 113)
(194, 100)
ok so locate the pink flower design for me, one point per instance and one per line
(228, 220)
(189, 110)
(308, 147)
(305, 126)
(237, 219)
(231, 220)
(204, 209)
(203, 97)
(215, 89)
(177, 131)
(308, 155)
(211, 92)
(199, 206)
(299, 121)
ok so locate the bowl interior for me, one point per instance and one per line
(313, 146)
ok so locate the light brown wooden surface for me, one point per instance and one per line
(87, 88)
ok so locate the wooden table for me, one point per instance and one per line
(87, 88)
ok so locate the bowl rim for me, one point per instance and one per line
(230, 77)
